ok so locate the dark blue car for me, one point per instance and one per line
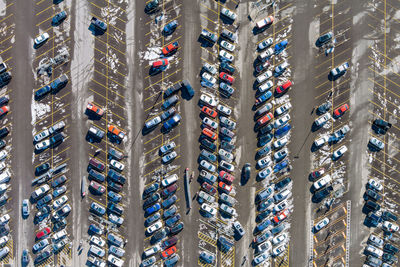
(265, 139)
(169, 201)
(115, 197)
(262, 226)
(263, 151)
(152, 219)
(208, 144)
(280, 166)
(170, 27)
(42, 92)
(264, 205)
(59, 18)
(150, 189)
(261, 216)
(282, 131)
(280, 46)
(152, 209)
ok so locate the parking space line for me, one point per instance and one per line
(51, 113)
(102, 63)
(107, 100)
(114, 81)
(201, 4)
(39, 2)
(8, 48)
(162, 79)
(108, 89)
(6, 39)
(105, 54)
(9, 16)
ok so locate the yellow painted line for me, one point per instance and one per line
(162, 79)
(98, 61)
(209, 8)
(12, 14)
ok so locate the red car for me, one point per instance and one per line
(171, 48)
(340, 110)
(283, 88)
(223, 186)
(95, 109)
(264, 119)
(43, 233)
(317, 173)
(210, 134)
(209, 188)
(281, 216)
(226, 77)
(97, 187)
(4, 110)
(160, 64)
(168, 252)
(208, 111)
(226, 177)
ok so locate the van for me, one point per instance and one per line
(189, 89)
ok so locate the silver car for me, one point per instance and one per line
(153, 122)
(208, 166)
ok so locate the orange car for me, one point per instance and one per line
(210, 134)
(95, 109)
(265, 119)
(117, 132)
(208, 111)
(4, 110)
(168, 252)
(171, 48)
(226, 188)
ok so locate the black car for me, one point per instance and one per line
(388, 216)
(5, 78)
(59, 225)
(57, 19)
(114, 186)
(227, 67)
(389, 258)
(371, 194)
(150, 189)
(4, 100)
(262, 215)
(372, 206)
(325, 107)
(2, 144)
(390, 248)
(42, 168)
(207, 144)
(246, 171)
(116, 177)
(321, 194)
(160, 234)
(60, 180)
(176, 229)
(151, 200)
(266, 129)
(4, 132)
(98, 24)
(117, 209)
(282, 184)
(44, 200)
(59, 83)
(42, 256)
(323, 39)
(56, 139)
(381, 126)
(172, 90)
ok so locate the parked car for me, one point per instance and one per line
(321, 224)
(340, 111)
(339, 152)
(340, 70)
(41, 39)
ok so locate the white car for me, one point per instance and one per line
(153, 122)
(43, 145)
(322, 182)
(95, 250)
(321, 141)
(371, 250)
(227, 166)
(228, 46)
(266, 43)
(169, 157)
(279, 250)
(210, 68)
(265, 173)
(280, 143)
(3, 154)
(374, 184)
(117, 165)
(3, 241)
(115, 219)
(226, 56)
(265, 86)
(208, 166)
(207, 208)
(228, 13)
(151, 251)
(2, 166)
(339, 152)
(231, 125)
(281, 206)
(154, 227)
(41, 39)
(281, 121)
(321, 224)
(281, 68)
(167, 148)
(210, 123)
(225, 155)
(59, 235)
(98, 241)
(42, 135)
(265, 76)
(279, 239)
(169, 180)
(283, 109)
(391, 227)
(115, 261)
(225, 110)
(323, 119)
(208, 78)
(209, 100)
(4, 219)
(264, 162)
(339, 70)
(59, 202)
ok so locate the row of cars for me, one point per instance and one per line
(162, 218)
(273, 201)
(102, 176)
(217, 159)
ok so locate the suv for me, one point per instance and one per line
(59, 83)
(238, 228)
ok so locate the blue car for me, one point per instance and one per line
(59, 18)
(261, 216)
(156, 207)
(208, 144)
(172, 122)
(264, 97)
(280, 166)
(262, 226)
(47, 198)
(150, 189)
(115, 197)
(264, 205)
(171, 221)
(170, 27)
(169, 201)
(263, 151)
(265, 139)
(42, 92)
(280, 46)
(282, 131)
(152, 219)
(95, 229)
(170, 212)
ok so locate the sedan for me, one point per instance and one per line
(228, 90)
(59, 202)
(99, 210)
(43, 233)
(168, 252)
(208, 78)
(228, 46)
(98, 241)
(210, 123)
(264, 162)
(340, 111)
(169, 157)
(208, 166)
(173, 220)
(278, 250)
(279, 239)
(265, 173)
(154, 227)
(209, 112)
(280, 143)
(321, 141)
(226, 77)
(225, 155)
(321, 224)
(265, 44)
(390, 227)
(117, 165)
(316, 174)
(229, 14)
(167, 148)
(261, 258)
(224, 187)
(209, 100)
(40, 245)
(25, 207)
(225, 56)
(41, 39)
(224, 110)
(340, 70)
(320, 121)
(283, 109)
(339, 152)
(42, 145)
(262, 98)
(376, 143)
(42, 135)
(281, 121)
(227, 166)
(281, 216)
(207, 208)
(281, 154)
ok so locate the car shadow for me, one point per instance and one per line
(257, 31)
(204, 42)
